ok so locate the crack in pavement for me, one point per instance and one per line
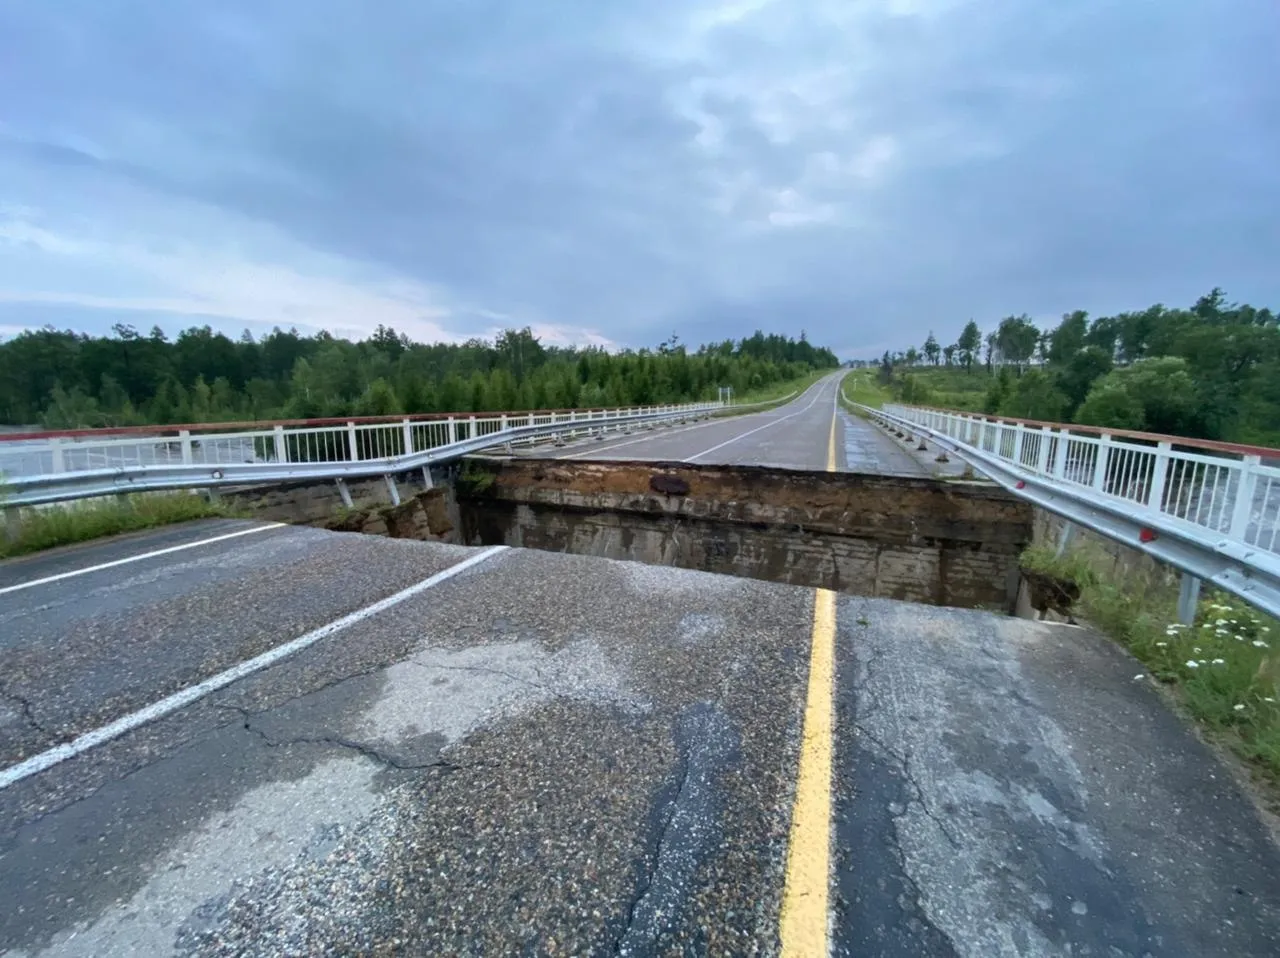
(863, 687)
(652, 860)
(488, 671)
(28, 711)
(363, 748)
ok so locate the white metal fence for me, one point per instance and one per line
(355, 440)
(1210, 509)
(1221, 488)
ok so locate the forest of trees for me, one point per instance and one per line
(63, 379)
(1209, 372)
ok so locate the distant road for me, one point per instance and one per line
(795, 435)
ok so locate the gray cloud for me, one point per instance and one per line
(865, 171)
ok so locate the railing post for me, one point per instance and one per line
(471, 428)
(1243, 510)
(1100, 463)
(502, 423)
(1159, 470)
(352, 444)
(59, 463)
(1060, 455)
(1019, 437)
(408, 438)
(1042, 454)
(453, 435)
(184, 441)
(282, 447)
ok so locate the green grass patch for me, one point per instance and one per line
(1223, 669)
(781, 390)
(52, 526)
(863, 386)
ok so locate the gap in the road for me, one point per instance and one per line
(919, 539)
(939, 541)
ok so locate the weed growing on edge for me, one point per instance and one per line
(46, 528)
(1224, 667)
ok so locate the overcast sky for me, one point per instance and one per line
(609, 171)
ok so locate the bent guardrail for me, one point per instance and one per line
(1209, 509)
(189, 457)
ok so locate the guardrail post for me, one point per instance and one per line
(1159, 470)
(1243, 509)
(471, 428)
(1100, 464)
(1060, 455)
(1188, 597)
(184, 441)
(502, 423)
(453, 436)
(344, 492)
(59, 464)
(282, 447)
(392, 491)
(408, 438)
(1019, 438)
(12, 523)
(352, 444)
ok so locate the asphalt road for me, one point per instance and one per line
(794, 435)
(230, 738)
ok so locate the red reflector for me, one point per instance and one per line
(1020, 484)
(1147, 535)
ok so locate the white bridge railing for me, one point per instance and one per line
(1211, 509)
(36, 468)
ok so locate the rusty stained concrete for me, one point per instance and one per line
(942, 542)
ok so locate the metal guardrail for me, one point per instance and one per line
(1211, 510)
(81, 465)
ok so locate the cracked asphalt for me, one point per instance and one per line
(559, 755)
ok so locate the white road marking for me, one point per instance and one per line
(773, 422)
(138, 558)
(610, 446)
(156, 710)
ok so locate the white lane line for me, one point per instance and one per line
(60, 753)
(138, 558)
(744, 435)
(610, 446)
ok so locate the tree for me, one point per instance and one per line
(912, 357)
(969, 343)
(1016, 339)
(991, 348)
(949, 352)
(1035, 396)
(1067, 338)
(931, 348)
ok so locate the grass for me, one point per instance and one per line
(781, 390)
(45, 528)
(1222, 669)
(951, 387)
(864, 386)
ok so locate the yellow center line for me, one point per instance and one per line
(803, 926)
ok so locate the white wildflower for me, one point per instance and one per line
(1220, 622)
(1162, 644)
(1192, 664)
(1219, 661)
(1239, 706)
(1258, 643)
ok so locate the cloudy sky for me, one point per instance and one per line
(612, 170)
